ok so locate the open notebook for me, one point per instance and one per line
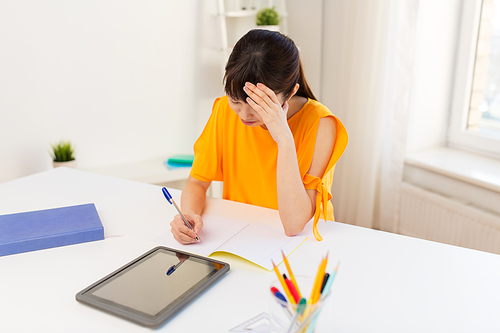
(256, 242)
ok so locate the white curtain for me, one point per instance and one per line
(367, 66)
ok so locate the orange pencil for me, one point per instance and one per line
(315, 292)
(320, 282)
(283, 284)
(292, 277)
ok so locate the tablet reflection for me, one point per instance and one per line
(182, 257)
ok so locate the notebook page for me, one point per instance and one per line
(216, 231)
(260, 243)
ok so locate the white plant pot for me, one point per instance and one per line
(68, 164)
(269, 27)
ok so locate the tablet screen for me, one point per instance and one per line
(155, 283)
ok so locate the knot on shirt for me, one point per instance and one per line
(324, 195)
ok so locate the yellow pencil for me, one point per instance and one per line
(292, 277)
(316, 291)
(317, 294)
(320, 281)
(283, 284)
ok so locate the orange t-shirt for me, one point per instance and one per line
(244, 158)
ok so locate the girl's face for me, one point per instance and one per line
(248, 116)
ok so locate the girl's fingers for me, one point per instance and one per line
(263, 114)
(181, 232)
(186, 231)
(285, 107)
(255, 101)
(197, 225)
(260, 111)
(261, 95)
(269, 93)
(182, 237)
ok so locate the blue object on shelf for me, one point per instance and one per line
(179, 161)
(43, 229)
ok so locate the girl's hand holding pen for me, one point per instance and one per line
(185, 228)
(182, 233)
(274, 115)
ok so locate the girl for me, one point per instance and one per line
(269, 140)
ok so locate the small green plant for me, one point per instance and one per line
(62, 152)
(267, 16)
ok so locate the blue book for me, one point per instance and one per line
(43, 229)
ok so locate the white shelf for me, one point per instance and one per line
(235, 23)
(241, 13)
(151, 171)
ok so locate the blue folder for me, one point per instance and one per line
(43, 229)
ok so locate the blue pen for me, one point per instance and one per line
(282, 299)
(172, 202)
(278, 295)
(173, 268)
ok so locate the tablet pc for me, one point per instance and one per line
(153, 287)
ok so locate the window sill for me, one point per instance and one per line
(469, 178)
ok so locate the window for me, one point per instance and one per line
(475, 113)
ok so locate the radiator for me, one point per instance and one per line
(427, 215)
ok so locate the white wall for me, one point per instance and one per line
(305, 27)
(123, 80)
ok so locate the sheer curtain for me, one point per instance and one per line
(367, 66)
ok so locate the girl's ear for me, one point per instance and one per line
(295, 89)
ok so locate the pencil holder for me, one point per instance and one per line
(286, 315)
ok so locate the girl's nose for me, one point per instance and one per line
(246, 112)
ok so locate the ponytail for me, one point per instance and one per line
(304, 89)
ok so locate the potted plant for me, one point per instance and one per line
(268, 18)
(63, 154)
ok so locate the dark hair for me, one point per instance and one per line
(268, 57)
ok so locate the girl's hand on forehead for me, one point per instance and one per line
(265, 102)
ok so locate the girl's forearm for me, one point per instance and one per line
(294, 204)
(193, 196)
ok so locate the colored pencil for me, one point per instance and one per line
(326, 290)
(292, 289)
(283, 284)
(316, 291)
(292, 277)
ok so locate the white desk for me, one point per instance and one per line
(386, 282)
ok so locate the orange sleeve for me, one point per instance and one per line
(207, 150)
(322, 184)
